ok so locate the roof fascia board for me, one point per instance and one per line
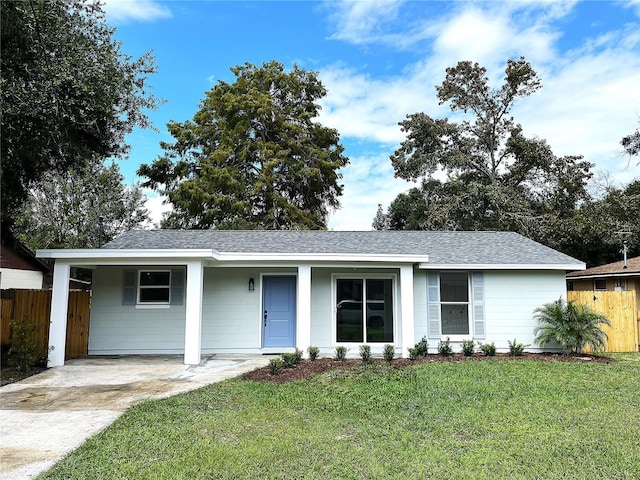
(101, 254)
(313, 264)
(318, 257)
(603, 275)
(501, 266)
(107, 254)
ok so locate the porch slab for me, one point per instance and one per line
(44, 417)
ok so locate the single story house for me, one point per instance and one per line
(209, 291)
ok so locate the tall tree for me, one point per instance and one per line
(69, 95)
(602, 225)
(496, 178)
(65, 209)
(253, 156)
(631, 143)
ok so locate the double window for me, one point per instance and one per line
(364, 310)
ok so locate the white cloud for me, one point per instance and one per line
(590, 98)
(362, 21)
(154, 204)
(136, 10)
(368, 180)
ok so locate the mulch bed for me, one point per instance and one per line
(321, 365)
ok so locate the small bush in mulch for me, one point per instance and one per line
(10, 374)
(307, 368)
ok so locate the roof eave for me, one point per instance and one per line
(211, 254)
(502, 266)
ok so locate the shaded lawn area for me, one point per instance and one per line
(504, 418)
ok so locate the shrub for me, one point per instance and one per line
(444, 348)
(468, 347)
(422, 347)
(341, 354)
(365, 353)
(292, 359)
(25, 352)
(489, 349)
(516, 349)
(313, 353)
(276, 365)
(413, 353)
(389, 352)
(574, 326)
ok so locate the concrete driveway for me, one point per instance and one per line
(44, 417)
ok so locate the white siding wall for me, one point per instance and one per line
(511, 297)
(20, 279)
(231, 314)
(124, 329)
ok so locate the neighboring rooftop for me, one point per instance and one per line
(454, 248)
(610, 269)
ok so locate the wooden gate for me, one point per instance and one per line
(36, 305)
(620, 308)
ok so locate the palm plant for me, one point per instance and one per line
(574, 326)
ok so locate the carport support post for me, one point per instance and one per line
(58, 316)
(193, 314)
(303, 328)
(407, 310)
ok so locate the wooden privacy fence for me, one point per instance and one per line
(36, 305)
(621, 310)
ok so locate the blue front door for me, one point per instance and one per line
(279, 311)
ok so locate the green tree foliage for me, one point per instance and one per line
(573, 325)
(253, 156)
(631, 143)
(602, 225)
(496, 177)
(63, 211)
(69, 95)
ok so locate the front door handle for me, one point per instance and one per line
(265, 318)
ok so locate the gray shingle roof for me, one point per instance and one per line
(442, 247)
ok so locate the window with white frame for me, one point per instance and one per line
(364, 310)
(454, 303)
(154, 287)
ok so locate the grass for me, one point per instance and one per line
(490, 419)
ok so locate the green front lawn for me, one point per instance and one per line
(485, 419)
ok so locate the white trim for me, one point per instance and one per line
(58, 315)
(501, 266)
(318, 257)
(602, 275)
(407, 310)
(303, 307)
(193, 313)
(107, 253)
(104, 254)
(153, 287)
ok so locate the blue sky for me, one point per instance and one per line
(381, 60)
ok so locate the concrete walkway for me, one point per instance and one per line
(44, 417)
